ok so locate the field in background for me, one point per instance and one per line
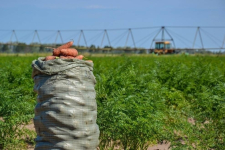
(142, 100)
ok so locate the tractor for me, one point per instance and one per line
(163, 47)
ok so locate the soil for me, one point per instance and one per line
(1, 119)
(163, 146)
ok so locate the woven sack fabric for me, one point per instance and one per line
(66, 110)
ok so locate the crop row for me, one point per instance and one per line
(141, 101)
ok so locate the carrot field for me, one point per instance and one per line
(142, 101)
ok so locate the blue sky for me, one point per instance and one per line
(104, 14)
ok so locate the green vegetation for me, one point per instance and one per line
(17, 101)
(141, 101)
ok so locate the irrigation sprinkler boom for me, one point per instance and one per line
(161, 39)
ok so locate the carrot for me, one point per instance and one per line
(49, 58)
(66, 57)
(89, 61)
(56, 52)
(69, 52)
(79, 57)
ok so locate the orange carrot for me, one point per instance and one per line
(66, 57)
(89, 61)
(49, 58)
(79, 57)
(56, 52)
(69, 52)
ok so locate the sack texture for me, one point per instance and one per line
(66, 110)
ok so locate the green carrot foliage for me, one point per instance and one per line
(142, 101)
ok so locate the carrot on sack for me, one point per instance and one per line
(66, 57)
(56, 51)
(69, 52)
(49, 58)
(89, 60)
(79, 57)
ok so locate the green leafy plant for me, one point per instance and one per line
(17, 102)
(142, 101)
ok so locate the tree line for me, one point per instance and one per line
(36, 47)
(45, 48)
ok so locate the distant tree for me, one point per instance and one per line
(20, 47)
(57, 45)
(34, 49)
(120, 48)
(220, 52)
(5, 48)
(92, 47)
(127, 47)
(42, 48)
(108, 47)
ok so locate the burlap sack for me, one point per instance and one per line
(66, 110)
